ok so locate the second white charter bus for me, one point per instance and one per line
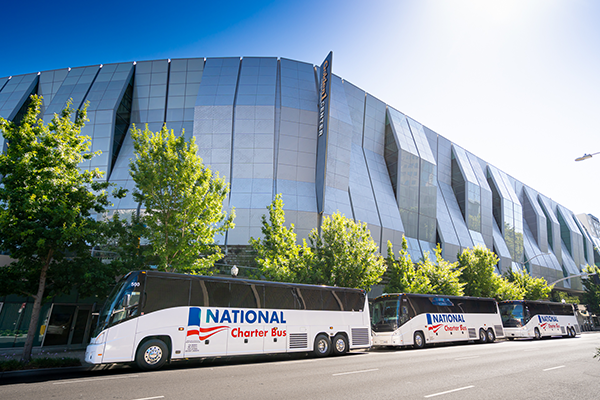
(406, 319)
(153, 317)
(537, 319)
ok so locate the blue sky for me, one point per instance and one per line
(515, 82)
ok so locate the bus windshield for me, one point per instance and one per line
(512, 315)
(122, 302)
(385, 315)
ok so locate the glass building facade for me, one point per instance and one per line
(255, 121)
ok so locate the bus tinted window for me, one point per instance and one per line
(562, 309)
(311, 298)
(331, 301)
(199, 295)
(280, 297)
(243, 296)
(422, 305)
(538, 308)
(355, 301)
(164, 293)
(218, 293)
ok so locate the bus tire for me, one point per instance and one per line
(572, 332)
(322, 346)
(151, 355)
(482, 336)
(340, 344)
(536, 334)
(418, 340)
(491, 336)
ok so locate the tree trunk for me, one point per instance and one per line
(35, 313)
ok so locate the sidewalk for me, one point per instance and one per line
(39, 352)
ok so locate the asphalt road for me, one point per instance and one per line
(523, 369)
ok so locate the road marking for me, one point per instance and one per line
(449, 391)
(466, 358)
(95, 379)
(150, 398)
(355, 372)
(550, 369)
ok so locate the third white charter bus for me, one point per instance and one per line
(536, 319)
(416, 320)
(153, 317)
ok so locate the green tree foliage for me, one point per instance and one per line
(506, 290)
(559, 296)
(591, 296)
(443, 276)
(404, 277)
(477, 271)
(279, 258)
(121, 238)
(532, 288)
(344, 254)
(183, 201)
(46, 210)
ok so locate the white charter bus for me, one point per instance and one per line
(416, 320)
(536, 319)
(153, 317)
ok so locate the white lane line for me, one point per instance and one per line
(449, 391)
(95, 379)
(466, 358)
(355, 372)
(150, 398)
(550, 369)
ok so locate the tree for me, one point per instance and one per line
(404, 277)
(477, 271)
(344, 254)
(46, 210)
(443, 276)
(591, 296)
(279, 258)
(532, 288)
(506, 290)
(183, 201)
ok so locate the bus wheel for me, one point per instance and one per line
(151, 355)
(491, 336)
(322, 346)
(572, 332)
(340, 344)
(419, 340)
(536, 334)
(482, 336)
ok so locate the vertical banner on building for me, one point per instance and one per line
(322, 129)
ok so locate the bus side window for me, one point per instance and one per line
(311, 298)
(218, 293)
(404, 316)
(282, 297)
(164, 293)
(243, 296)
(199, 296)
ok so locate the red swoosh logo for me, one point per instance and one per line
(435, 328)
(210, 331)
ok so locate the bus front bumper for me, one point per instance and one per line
(94, 352)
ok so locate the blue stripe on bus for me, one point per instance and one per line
(194, 316)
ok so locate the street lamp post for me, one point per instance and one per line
(583, 275)
(586, 156)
